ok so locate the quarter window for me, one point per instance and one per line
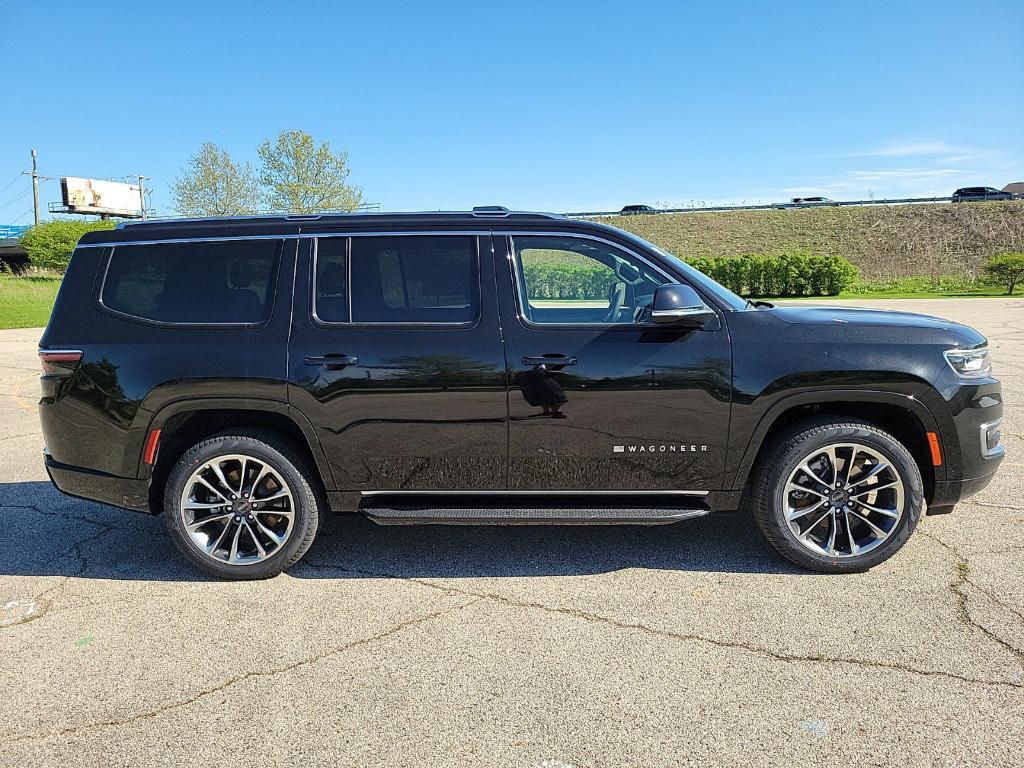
(200, 282)
(575, 281)
(331, 296)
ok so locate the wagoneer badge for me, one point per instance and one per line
(660, 448)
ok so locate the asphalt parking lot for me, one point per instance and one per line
(690, 644)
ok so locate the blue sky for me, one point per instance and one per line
(552, 106)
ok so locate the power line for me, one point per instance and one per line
(15, 199)
(10, 185)
(26, 213)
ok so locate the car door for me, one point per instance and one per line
(396, 359)
(599, 397)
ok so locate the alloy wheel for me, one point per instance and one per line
(843, 500)
(237, 509)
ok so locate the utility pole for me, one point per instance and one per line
(142, 193)
(35, 187)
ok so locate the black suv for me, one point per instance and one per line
(971, 194)
(243, 376)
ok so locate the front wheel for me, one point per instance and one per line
(242, 505)
(837, 496)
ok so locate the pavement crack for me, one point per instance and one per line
(231, 681)
(680, 636)
(960, 598)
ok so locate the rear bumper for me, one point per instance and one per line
(125, 492)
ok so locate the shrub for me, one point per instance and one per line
(790, 274)
(1006, 269)
(49, 245)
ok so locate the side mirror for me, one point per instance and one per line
(677, 304)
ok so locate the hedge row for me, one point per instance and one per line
(49, 245)
(568, 281)
(793, 274)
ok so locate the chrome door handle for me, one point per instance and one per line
(543, 360)
(333, 362)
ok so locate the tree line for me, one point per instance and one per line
(294, 174)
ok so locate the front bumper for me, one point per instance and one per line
(972, 461)
(948, 492)
(125, 492)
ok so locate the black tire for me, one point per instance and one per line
(789, 450)
(288, 462)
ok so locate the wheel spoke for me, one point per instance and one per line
(276, 538)
(873, 488)
(203, 505)
(806, 467)
(814, 525)
(283, 493)
(849, 533)
(831, 453)
(200, 479)
(874, 528)
(220, 539)
(255, 538)
(794, 514)
(259, 477)
(893, 513)
(193, 527)
(791, 486)
(871, 473)
(830, 548)
(215, 468)
(241, 477)
(233, 556)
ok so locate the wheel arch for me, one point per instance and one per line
(185, 423)
(905, 417)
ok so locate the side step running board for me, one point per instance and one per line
(405, 513)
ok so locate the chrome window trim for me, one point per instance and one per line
(537, 493)
(183, 240)
(288, 236)
(351, 323)
(272, 304)
(514, 267)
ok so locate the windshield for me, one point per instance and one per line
(730, 299)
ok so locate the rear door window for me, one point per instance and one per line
(413, 279)
(193, 283)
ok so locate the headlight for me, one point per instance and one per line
(969, 363)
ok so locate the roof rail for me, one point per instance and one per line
(490, 210)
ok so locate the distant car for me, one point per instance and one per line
(636, 210)
(811, 200)
(968, 194)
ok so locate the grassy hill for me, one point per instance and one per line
(885, 242)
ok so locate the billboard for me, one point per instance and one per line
(96, 196)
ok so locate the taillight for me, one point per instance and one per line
(59, 362)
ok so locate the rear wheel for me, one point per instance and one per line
(837, 496)
(242, 505)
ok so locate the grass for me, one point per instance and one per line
(880, 240)
(26, 301)
(924, 288)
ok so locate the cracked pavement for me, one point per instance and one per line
(690, 644)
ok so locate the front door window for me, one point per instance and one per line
(575, 281)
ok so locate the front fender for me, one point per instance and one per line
(745, 442)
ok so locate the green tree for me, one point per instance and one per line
(1006, 268)
(301, 177)
(212, 184)
(50, 244)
